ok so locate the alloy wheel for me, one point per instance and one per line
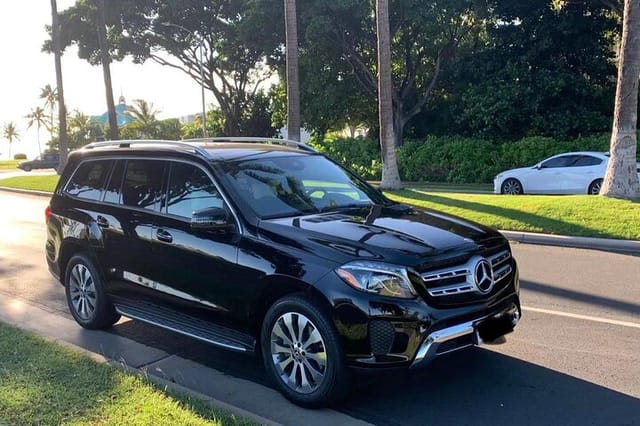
(298, 352)
(82, 289)
(511, 187)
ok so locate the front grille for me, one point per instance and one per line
(461, 279)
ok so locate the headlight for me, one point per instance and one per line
(378, 278)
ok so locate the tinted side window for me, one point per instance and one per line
(142, 186)
(190, 189)
(587, 160)
(564, 161)
(113, 191)
(88, 180)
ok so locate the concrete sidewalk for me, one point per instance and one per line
(259, 403)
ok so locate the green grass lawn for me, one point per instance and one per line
(45, 183)
(8, 164)
(578, 215)
(45, 383)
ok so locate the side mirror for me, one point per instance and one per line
(210, 219)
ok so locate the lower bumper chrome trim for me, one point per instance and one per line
(429, 348)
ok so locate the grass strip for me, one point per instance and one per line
(575, 215)
(8, 164)
(43, 383)
(46, 183)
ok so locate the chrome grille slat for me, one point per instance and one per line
(499, 264)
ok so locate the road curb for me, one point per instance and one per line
(608, 244)
(26, 191)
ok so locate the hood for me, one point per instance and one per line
(397, 234)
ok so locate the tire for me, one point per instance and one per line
(595, 187)
(86, 296)
(290, 355)
(27, 168)
(511, 186)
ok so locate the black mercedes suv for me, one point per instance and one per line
(268, 247)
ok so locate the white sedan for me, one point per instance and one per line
(569, 173)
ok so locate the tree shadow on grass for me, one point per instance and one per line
(549, 225)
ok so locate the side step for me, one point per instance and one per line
(173, 320)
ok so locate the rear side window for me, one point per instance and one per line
(89, 179)
(587, 160)
(142, 185)
(190, 189)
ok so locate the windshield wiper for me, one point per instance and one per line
(343, 207)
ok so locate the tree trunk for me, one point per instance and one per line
(390, 174)
(106, 68)
(621, 179)
(62, 110)
(293, 83)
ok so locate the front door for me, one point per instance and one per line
(196, 271)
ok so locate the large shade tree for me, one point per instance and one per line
(293, 83)
(621, 179)
(237, 37)
(425, 36)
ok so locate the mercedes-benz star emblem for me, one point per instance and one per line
(483, 276)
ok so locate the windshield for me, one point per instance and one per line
(296, 185)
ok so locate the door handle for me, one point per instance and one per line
(163, 235)
(102, 222)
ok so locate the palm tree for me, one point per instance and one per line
(105, 59)
(144, 116)
(390, 174)
(293, 83)
(50, 96)
(37, 116)
(621, 179)
(62, 111)
(10, 132)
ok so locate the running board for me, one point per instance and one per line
(173, 320)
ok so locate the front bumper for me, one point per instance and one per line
(469, 333)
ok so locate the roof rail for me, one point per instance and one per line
(127, 143)
(242, 139)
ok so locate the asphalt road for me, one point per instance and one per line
(573, 360)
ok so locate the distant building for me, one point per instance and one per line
(122, 114)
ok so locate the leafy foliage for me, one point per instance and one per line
(455, 159)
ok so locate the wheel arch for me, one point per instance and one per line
(278, 286)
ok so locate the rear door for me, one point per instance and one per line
(132, 201)
(584, 170)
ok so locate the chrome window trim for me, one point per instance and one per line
(156, 212)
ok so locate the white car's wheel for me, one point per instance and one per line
(595, 187)
(511, 186)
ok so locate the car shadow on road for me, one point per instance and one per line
(518, 215)
(591, 299)
(478, 386)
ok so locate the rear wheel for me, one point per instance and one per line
(86, 297)
(595, 187)
(511, 186)
(303, 354)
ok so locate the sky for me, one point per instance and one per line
(25, 70)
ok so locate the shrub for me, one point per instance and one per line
(454, 159)
(20, 156)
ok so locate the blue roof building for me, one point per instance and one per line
(122, 115)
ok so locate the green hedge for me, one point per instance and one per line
(454, 159)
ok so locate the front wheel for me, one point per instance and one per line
(595, 187)
(303, 354)
(511, 187)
